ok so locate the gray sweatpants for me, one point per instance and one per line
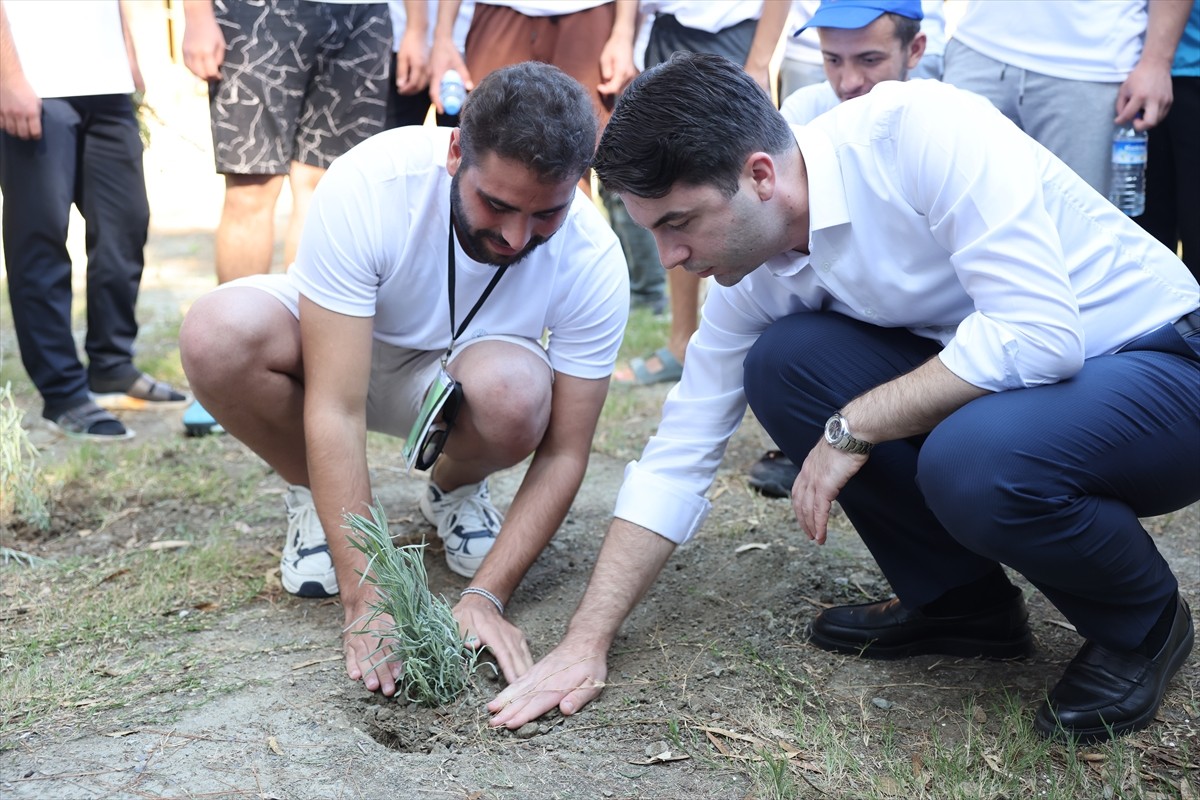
(1072, 119)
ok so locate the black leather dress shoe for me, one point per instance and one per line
(773, 474)
(889, 630)
(1105, 693)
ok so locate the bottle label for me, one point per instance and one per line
(1129, 152)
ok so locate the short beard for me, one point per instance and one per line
(473, 239)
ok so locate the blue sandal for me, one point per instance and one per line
(670, 372)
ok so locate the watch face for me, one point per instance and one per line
(834, 431)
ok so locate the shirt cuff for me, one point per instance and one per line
(657, 504)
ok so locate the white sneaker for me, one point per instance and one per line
(466, 521)
(306, 568)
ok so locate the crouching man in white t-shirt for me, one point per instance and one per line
(423, 242)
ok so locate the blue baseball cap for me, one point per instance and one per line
(859, 13)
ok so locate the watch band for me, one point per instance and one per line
(837, 434)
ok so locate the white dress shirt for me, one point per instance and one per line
(930, 211)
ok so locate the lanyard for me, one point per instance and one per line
(454, 334)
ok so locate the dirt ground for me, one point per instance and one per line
(713, 654)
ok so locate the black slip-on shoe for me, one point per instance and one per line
(773, 474)
(886, 630)
(1106, 693)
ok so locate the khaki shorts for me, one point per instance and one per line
(399, 376)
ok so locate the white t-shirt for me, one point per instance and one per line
(929, 211)
(462, 22)
(805, 47)
(374, 244)
(545, 8)
(705, 15)
(809, 102)
(1079, 40)
(71, 48)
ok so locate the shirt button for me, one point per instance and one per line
(868, 312)
(825, 266)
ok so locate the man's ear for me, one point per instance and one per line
(760, 170)
(916, 49)
(454, 156)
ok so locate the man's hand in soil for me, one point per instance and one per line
(482, 626)
(365, 659)
(570, 677)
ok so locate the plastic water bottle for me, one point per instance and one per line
(1128, 189)
(453, 92)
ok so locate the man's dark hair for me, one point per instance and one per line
(534, 114)
(907, 28)
(692, 120)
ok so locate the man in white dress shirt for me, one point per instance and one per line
(986, 363)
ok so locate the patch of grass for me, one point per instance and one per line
(20, 493)
(835, 745)
(155, 471)
(86, 633)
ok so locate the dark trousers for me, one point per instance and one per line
(1173, 175)
(90, 154)
(410, 109)
(1050, 481)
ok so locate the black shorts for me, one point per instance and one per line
(302, 80)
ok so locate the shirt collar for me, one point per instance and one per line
(826, 192)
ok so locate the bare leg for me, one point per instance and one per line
(241, 352)
(246, 233)
(685, 310)
(303, 181)
(505, 417)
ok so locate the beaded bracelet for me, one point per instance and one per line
(484, 593)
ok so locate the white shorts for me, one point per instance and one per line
(399, 376)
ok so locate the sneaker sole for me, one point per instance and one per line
(119, 401)
(308, 587)
(89, 437)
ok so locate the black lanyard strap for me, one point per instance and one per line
(454, 334)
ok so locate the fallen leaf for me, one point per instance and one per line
(168, 544)
(274, 746)
(662, 758)
(1091, 757)
(119, 734)
(111, 575)
(751, 546)
(994, 763)
(1061, 624)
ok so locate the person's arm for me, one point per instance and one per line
(573, 674)
(337, 369)
(616, 59)
(537, 511)
(203, 42)
(20, 106)
(766, 39)
(1148, 88)
(445, 56)
(909, 405)
(139, 84)
(412, 59)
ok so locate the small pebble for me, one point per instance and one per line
(880, 702)
(526, 731)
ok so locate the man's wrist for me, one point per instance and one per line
(479, 591)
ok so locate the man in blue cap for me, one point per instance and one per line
(863, 42)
